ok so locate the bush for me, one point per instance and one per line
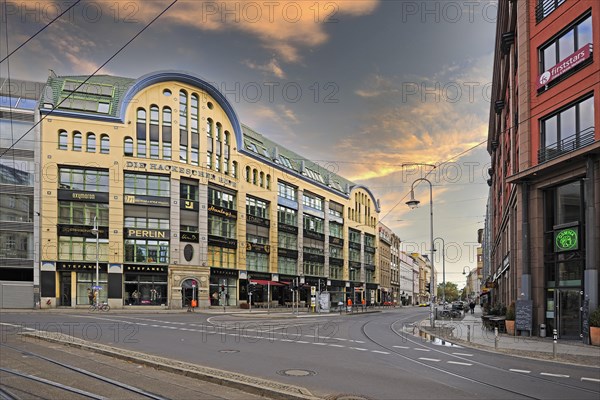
(595, 318)
(510, 312)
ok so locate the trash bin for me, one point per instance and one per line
(542, 330)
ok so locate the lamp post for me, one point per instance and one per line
(413, 203)
(443, 269)
(97, 288)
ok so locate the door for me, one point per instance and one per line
(568, 313)
(65, 289)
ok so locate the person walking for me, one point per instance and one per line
(472, 306)
(90, 296)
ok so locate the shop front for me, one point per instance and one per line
(223, 287)
(145, 285)
(76, 280)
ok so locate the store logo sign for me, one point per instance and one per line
(566, 240)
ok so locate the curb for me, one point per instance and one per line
(580, 360)
(249, 384)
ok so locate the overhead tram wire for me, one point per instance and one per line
(35, 34)
(92, 75)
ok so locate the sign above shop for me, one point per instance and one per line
(136, 233)
(146, 200)
(566, 239)
(80, 195)
(565, 65)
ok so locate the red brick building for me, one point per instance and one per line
(544, 227)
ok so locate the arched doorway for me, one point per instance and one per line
(189, 292)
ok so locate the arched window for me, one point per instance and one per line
(183, 126)
(90, 143)
(154, 112)
(167, 132)
(261, 181)
(248, 174)
(234, 167)
(76, 141)
(63, 139)
(254, 176)
(268, 181)
(104, 144)
(141, 132)
(128, 146)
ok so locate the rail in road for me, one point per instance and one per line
(459, 359)
(64, 387)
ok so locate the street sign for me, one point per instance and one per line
(193, 284)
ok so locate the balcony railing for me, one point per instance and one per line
(584, 138)
(545, 8)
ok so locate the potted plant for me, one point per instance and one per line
(510, 319)
(595, 327)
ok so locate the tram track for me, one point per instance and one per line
(67, 388)
(418, 344)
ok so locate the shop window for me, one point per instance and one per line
(145, 289)
(87, 280)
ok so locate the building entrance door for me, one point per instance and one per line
(65, 289)
(568, 313)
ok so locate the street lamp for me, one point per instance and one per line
(97, 288)
(443, 269)
(413, 203)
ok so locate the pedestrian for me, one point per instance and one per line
(472, 306)
(90, 296)
(136, 297)
(215, 298)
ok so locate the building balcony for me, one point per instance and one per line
(571, 143)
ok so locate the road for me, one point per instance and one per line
(367, 355)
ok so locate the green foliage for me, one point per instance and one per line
(595, 318)
(510, 312)
(451, 291)
(498, 309)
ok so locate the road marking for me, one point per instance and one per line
(402, 347)
(336, 345)
(520, 370)
(320, 344)
(418, 349)
(590, 379)
(379, 351)
(301, 341)
(358, 348)
(429, 359)
(459, 363)
(357, 341)
(463, 354)
(556, 375)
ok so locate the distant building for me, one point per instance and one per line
(385, 261)
(19, 141)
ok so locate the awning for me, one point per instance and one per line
(264, 282)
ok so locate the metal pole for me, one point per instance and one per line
(318, 297)
(268, 297)
(97, 290)
(431, 280)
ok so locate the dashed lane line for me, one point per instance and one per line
(459, 363)
(523, 371)
(379, 352)
(590, 379)
(463, 354)
(402, 347)
(358, 348)
(418, 349)
(555, 375)
(335, 345)
(429, 359)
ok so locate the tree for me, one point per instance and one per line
(451, 291)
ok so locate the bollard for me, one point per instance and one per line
(554, 342)
(468, 333)
(496, 338)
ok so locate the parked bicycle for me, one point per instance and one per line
(450, 314)
(100, 307)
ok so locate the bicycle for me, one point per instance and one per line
(101, 307)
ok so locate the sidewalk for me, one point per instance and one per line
(469, 332)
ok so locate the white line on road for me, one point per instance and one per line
(429, 359)
(463, 354)
(336, 345)
(590, 379)
(459, 363)
(418, 349)
(320, 344)
(379, 351)
(523, 371)
(358, 348)
(556, 375)
(402, 347)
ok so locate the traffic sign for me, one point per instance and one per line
(193, 284)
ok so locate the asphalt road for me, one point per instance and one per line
(367, 355)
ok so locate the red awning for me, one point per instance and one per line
(265, 282)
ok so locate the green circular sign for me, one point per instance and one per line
(567, 240)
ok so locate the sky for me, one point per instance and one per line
(365, 88)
